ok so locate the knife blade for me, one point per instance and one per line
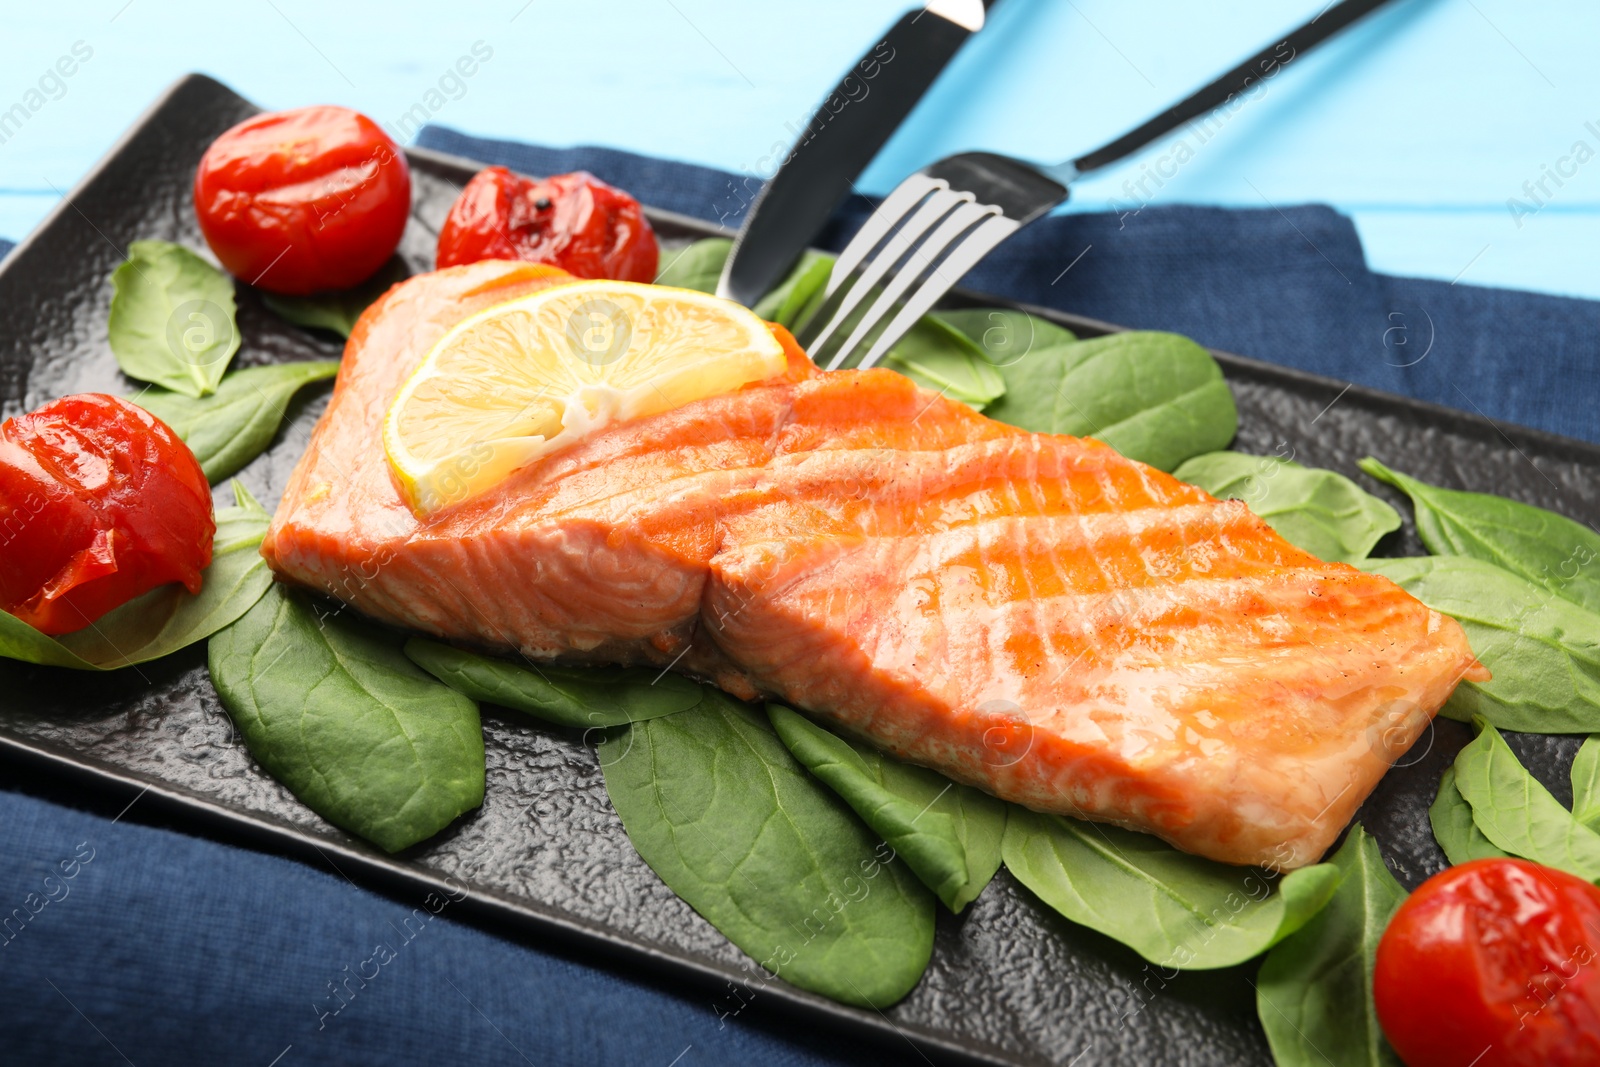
(843, 135)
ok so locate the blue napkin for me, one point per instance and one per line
(163, 947)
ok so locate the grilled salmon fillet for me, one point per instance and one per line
(1032, 614)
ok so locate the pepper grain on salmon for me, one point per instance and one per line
(1032, 614)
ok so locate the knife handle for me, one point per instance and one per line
(1271, 58)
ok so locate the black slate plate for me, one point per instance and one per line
(1010, 982)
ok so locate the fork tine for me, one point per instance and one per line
(907, 195)
(979, 243)
(932, 209)
(891, 213)
(917, 263)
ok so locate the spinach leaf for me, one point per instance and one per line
(235, 424)
(1032, 379)
(1586, 784)
(1453, 828)
(796, 297)
(1006, 336)
(718, 808)
(22, 642)
(166, 619)
(1174, 909)
(1154, 397)
(1547, 549)
(1321, 511)
(697, 266)
(1314, 992)
(1544, 651)
(948, 834)
(944, 359)
(338, 311)
(172, 318)
(329, 707)
(580, 697)
(1518, 814)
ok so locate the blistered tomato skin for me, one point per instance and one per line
(99, 502)
(1494, 963)
(303, 201)
(572, 221)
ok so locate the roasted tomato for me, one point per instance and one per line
(99, 502)
(573, 221)
(305, 200)
(1495, 963)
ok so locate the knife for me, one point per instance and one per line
(846, 131)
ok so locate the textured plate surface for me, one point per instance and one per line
(1010, 982)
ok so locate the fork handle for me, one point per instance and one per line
(1261, 65)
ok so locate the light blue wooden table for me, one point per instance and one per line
(1459, 134)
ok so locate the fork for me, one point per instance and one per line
(938, 223)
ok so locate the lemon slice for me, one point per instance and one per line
(526, 378)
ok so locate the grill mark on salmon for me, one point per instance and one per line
(1032, 614)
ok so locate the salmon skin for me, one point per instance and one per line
(1032, 614)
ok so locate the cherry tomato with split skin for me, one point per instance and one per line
(99, 502)
(572, 221)
(303, 201)
(1495, 963)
